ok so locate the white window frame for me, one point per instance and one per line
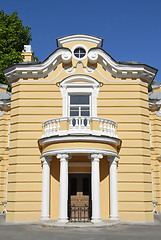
(80, 93)
(87, 85)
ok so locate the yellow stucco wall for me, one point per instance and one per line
(4, 128)
(124, 101)
(156, 152)
(4, 124)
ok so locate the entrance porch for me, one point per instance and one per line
(85, 187)
(81, 146)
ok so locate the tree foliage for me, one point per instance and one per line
(13, 37)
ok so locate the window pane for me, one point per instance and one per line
(76, 50)
(85, 113)
(82, 51)
(74, 108)
(74, 113)
(79, 99)
(85, 108)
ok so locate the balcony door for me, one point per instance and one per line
(79, 105)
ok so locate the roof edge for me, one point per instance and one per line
(79, 37)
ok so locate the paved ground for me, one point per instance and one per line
(121, 231)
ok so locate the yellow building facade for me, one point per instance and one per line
(80, 142)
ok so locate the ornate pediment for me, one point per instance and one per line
(71, 58)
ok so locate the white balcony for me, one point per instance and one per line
(79, 126)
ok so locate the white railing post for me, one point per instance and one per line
(88, 123)
(58, 125)
(104, 126)
(82, 123)
(54, 126)
(101, 127)
(50, 128)
(76, 123)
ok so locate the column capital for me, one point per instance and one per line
(95, 156)
(113, 159)
(63, 157)
(46, 159)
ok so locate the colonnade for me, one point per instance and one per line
(95, 186)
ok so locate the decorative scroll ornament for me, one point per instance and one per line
(88, 70)
(66, 57)
(92, 57)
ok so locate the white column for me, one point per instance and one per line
(45, 188)
(63, 200)
(113, 188)
(95, 181)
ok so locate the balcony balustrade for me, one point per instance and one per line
(79, 125)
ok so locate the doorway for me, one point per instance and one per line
(79, 197)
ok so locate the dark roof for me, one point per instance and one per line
(5, 96)
(155, 96)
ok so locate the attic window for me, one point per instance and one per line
(79, 52)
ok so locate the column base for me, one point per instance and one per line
(96, 220)
(44, 219)
(114, 218)
(62, 220)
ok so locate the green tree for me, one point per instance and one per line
(13, 37)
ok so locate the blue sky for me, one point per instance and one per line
(131, 29)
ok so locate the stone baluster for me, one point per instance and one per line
(54, 126)
(101, 127)
(88, 123)
(58, 125)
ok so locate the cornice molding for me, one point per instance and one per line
(79, 38)
(79, 150)
(76, 138)
(38, 70)
(95, 55)
(121, 70)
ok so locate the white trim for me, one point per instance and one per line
(84, 138)
(119, 70)
(79, 150)
(122, 81)
(91, 71)
(79, 37)
(33, 81)
(142, 71)
(71, 85)
(43, 69)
